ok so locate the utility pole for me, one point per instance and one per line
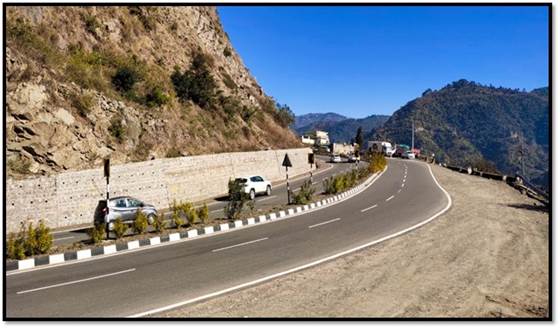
(412, 145)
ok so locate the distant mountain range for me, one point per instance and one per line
(466, 123)
(339, 127)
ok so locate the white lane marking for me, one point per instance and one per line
(399, 191)
(299, 268)
(213, 211)
(389, 198)
(402, 185)
(267, 198)
(314, 183)
(323, 223)
(368, 208)
(147, 248)
(404, 180)
(76, 281)
(65, 238)
(240, 244)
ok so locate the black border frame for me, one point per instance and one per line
(313, 4)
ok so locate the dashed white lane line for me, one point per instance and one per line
(267, 198)
(65, 238)
(240, 244)
(389, 198)
(323, 223)
(399, 191)
(402, 185)
(213, 211)
(368, 208)
(76, 281)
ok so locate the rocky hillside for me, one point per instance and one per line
(132, 83)
(466, 123)
(339, 127)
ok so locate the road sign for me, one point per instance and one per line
(310, 158)
(106, 167)
(286, 163)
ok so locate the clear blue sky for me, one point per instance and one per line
(359, 61)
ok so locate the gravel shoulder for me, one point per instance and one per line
(486, 257)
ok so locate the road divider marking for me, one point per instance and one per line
(133, 244)
(82, 254)
(389, 198)
(399, 191)
(213, 211)
(323, 223)
(192, 233)
(55, 259)
(174, 237)
(267, 198)
(239, 245)
(110, 249)
(368, 208)
(154, 241)
(402, 185)
(65, 238)
(75, 281)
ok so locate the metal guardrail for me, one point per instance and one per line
(518, 182)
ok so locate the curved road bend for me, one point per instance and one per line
(123, 285)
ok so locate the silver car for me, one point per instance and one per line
(123, 207)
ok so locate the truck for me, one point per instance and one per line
(381, 147)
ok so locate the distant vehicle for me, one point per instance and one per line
(336, 159)
(400, 150)
(381, 147)
(254, 185)
(408, 155)
(123, 207)
(353, 158)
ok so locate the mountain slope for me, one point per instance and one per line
(133, 83)
(340, 128)
(466, 123)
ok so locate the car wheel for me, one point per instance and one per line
(151, 219)
(252, 194)
(268, 190)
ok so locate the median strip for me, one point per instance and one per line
(76, 281)
(239, 245)
(323, 223)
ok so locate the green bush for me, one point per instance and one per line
(30, 243)
(159, 224)
(197, 83)
(119, 228)
(237, 200)
(189, 212)
(19, 164)
(44, 239)
(173, 152)
(305, 194)
(203, 213)
(116, 128)
(91, 23)
(178, 220)
(140, 223)
(156, 97)
(15, 246)
(125, 78)
(377, 162)
(97, 233)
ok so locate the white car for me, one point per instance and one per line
(254, 185)
(408, 155)
(336, 158)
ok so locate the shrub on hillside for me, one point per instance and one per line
(83, 103)
(125, 78)
(196, 83)
(116, 128)
(156, 97)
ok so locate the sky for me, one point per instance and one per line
(359, 61)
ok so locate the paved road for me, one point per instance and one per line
(279, 197)
(153, 278)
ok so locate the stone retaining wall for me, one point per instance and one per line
(70, 198)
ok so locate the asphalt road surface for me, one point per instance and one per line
(151, 279)
(279, 197)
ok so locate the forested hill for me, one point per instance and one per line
(466, 123)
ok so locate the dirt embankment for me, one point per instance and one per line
(486, 257)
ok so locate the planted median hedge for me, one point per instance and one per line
(344, 181)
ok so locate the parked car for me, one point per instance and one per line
(408, 155)
(254, 185)
(123, 207)
(353, 158)
(336, 158)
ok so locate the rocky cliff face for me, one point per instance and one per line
(85, 83)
